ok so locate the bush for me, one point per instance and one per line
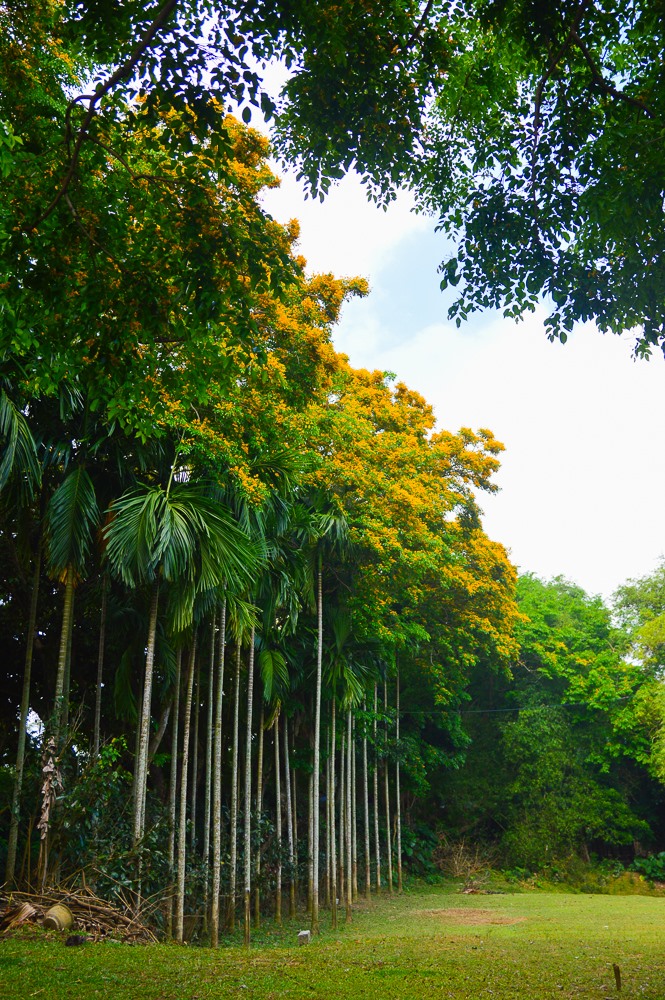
(653, 867)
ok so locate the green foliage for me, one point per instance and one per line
(545, 164)
(653, 867)
(559, 752)
(557, 804)
(640, 606)
(19, 453)
(71, 518)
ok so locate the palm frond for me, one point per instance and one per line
(71, 518)
(274, 672)
(241, 616)
(19, 453)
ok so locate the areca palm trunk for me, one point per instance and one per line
(207, 808)
(100, 667)
(67, 681)
(354, 811)
(398, 802)
(278, 824)
(259, 806)
(248, 791)
(217, 786)
(375, 776)
(310, 843)
(294, 799)
(341, 866)
(328, 826)
(289, 821)
(182, 819)
(234, 799)
(12, 841)
(141, 768)
(173, 784)
(333, 832)
(348, 818)
(368, 873)
(65, 633)
(317, 756)
(387, 792)
(195, 754)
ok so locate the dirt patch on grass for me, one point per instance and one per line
(468, 915)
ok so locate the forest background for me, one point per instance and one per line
(196, 486)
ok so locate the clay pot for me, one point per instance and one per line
(59, 918)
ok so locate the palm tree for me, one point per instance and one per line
(71, 517)
(177, 535)
(326, 531)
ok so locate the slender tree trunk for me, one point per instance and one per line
(289, 822)
(354, 811)
(278, 825)
(234, 799)
(317, 755)
(23, 722)
(217, 787)
(158, 736)
(349, 838)
(259, 807)
(368, 872)
(398, 801)
(333, 832)
(100, 666)
(207, 809)
(182, 819)
(65, 631)
(328, 826)
(387, 793)
(310, 843)
(375, 776)
(195, 753)
(64, 720)
(141, 770)
(294, 799)
(341, 860)
(173, 785)
(248, 790)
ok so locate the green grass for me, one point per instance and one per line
(527, 945)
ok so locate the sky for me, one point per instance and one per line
(582, 480)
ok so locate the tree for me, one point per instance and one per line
(555, 763)
(178, 535)
(545, 164)
(360, 76)
(640, 607)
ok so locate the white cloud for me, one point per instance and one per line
(583, 475)
(345, 234)
(584, 471)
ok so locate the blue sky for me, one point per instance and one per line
(583, 475)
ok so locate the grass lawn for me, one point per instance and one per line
(426, 945)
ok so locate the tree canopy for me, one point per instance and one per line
(531, 131)
(545, 166)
